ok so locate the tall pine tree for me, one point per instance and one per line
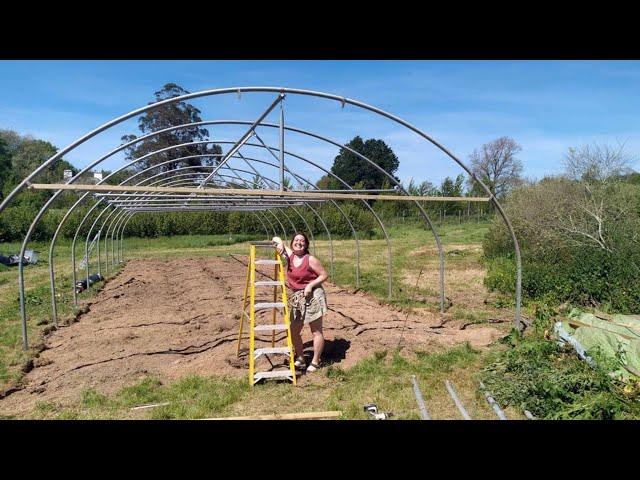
(166, 116)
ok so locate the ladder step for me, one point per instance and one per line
(267, 262)
(276, 374)
(267, 328)
(263, 244)
(266, 283)
(269, 350)
(262, 306)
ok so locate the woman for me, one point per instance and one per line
(307, 300)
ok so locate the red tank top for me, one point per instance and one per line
(300, 277)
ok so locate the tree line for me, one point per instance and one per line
(20, 155)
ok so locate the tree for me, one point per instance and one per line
(423, 189)
(5, 164)
(452, 188)
(352, 169)
(164, 117)
(597, 163)
(24, 154)
(257, 182)
(327, 182)
(496, 165)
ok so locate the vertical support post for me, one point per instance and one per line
(252, 315)
(23, 311)
(244, 306)
(86, 255)
(275, 299)
(98, 245)
(281, 146)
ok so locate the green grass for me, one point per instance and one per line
(37, 303)
(412, 248)
(383, 379)
(527, 373)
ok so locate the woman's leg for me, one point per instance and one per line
(296, 338)
(318, 340)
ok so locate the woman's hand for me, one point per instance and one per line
(278, 243)
(308, 291)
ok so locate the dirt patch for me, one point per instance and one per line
(452, 249)
(174, 318)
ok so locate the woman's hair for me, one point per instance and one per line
(306, 241)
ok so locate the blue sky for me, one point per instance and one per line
(546, 106)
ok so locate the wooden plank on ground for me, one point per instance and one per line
(285, 416)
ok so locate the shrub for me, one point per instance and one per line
(578, 243)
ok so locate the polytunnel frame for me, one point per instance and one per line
(87, 256)
(237, 145)
(80, 200)
(120, 212)
(261, 176)
(235, 149)
(296, 176)
(281, 206)
(282, 92)
(328, 172)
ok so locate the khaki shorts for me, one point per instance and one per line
(307, 310)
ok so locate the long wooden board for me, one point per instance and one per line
(285, 416)
(249, 192)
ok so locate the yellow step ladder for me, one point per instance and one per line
(249, 300)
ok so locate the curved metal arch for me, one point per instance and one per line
(52, 246)
(118, 222)
(267, 163)
(172, 172)
(173, 175)
(261, 176)
(282, 91)
(343, 100)
(145, 156)
(48, 203)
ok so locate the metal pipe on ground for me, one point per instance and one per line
(491, 401)
(424, 415)
(456, 400)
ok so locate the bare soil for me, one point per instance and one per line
(173, 318)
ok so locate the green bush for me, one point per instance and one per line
(565, 257)
(552, 382)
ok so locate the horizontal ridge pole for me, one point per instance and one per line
(249, 192)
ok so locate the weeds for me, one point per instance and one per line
(552, 382)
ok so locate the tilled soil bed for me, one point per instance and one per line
(173, 318)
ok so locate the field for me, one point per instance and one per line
(162, 330)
